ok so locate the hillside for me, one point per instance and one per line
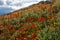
(37, 22)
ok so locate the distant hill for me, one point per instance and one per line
(4, 10)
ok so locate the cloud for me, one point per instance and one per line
(17, 4)
(1, 3)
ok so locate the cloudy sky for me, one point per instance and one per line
(7, 6)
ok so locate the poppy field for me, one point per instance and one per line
(40, 24)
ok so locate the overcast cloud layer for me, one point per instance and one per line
(10, 5)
